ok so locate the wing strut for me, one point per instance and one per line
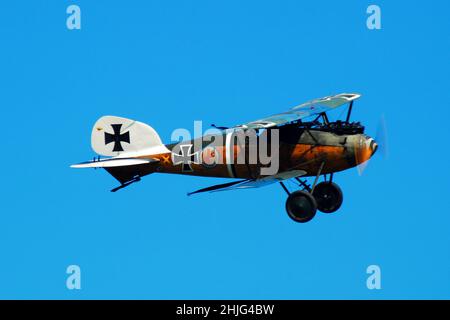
(349, 111)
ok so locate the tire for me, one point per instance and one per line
(328, 196)
(301, 206)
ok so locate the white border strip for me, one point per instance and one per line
(228, 150)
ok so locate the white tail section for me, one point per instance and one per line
(116, 136)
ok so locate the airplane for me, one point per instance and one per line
(309, 145)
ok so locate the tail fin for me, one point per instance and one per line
(114, 136)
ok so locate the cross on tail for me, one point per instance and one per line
(117, 137)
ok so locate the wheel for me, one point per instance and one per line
(301, 206)
(328, 196)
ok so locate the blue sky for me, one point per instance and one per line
(224, 62)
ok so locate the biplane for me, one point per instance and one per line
(309, 146)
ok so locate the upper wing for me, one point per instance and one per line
(252, 183)
(310, 108)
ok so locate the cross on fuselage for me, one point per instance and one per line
(117, 138)
(185, 157)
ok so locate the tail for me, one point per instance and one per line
(115, 136)
(126, 141)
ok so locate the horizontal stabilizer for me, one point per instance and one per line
(113, 162)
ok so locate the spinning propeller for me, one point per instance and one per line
(368, 147)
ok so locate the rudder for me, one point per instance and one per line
(114, 136)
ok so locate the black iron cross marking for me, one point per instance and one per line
(185, 157)
(117, 138)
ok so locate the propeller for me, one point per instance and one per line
(381, 137)
(378, 146)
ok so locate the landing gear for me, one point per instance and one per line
(301, 206)
(328, 196)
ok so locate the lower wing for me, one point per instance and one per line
(252, 183)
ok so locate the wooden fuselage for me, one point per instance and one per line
(298, 149)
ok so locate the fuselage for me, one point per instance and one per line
(297, 149)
